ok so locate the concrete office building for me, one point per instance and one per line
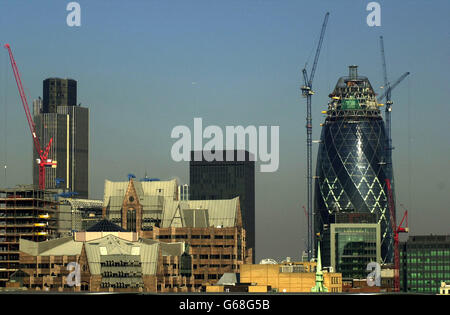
(226, 179)
(68, 124)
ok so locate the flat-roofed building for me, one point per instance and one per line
(424, 263)
(290, 277)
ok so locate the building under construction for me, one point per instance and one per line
(351, 162)
(25, 213)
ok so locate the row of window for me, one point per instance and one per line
(184, 236)
(428, 253)
(204, 256)
(429, 267)
(211, 246)
(439, 275)
(215, 266)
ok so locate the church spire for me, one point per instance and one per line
(319, 287)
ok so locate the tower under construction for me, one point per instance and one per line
(351, 161)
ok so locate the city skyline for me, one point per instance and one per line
(148, 67)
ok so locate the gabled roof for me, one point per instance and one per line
(61, 246)
(167, 188)
(219, 212)
(111, 246)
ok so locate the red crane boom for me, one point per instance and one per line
(43, 160)
(396, 230)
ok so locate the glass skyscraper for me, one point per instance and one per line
(226, 179)
(351, 162)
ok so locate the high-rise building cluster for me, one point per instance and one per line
(153, 235)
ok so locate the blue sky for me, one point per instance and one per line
(144, 67)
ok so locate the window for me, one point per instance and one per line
(131, 220)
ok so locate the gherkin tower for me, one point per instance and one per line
(351, 163)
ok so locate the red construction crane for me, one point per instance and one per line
(43, 160)
(396, 230)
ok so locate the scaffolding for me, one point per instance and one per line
(27, 213)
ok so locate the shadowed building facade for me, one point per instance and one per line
(233, 176)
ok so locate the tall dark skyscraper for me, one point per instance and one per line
(68, 125)
(58, 92)
(225, 180)
(351, 161)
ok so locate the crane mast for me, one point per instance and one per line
(387, 94)
(43, 160)
(308, 92)
(396, 230)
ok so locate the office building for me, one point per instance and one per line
(226, 179)
(67, 123)
(351, 161)
(58, 92)
(353, 246)
(424, 263)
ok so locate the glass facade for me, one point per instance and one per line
(351, 161)
(424, 263)
(353, 246)
(58, 92)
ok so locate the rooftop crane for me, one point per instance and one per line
(396, 230)
(308, 92)
(387, 94)
(43, 159)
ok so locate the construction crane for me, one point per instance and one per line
(396, 230)
(387, 94)
(43, 159)
(308, 92)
